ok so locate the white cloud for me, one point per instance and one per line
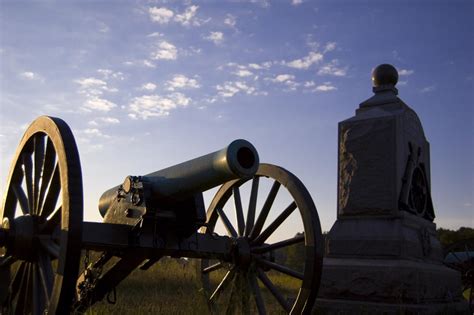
(243, 73)
(326, 87)
(428, 89)
(187, 17)
(333, 69)
(97, 103)
(104, 121)
(147, 106)
(155, 34)
(93, 86)
(283, 77)
(215, 37)
(160, 15)
(330, 46)
(309, 84)
(305, 62)
(148, 86)
(103, 28)
(28, 75)
(165, 51)
(229, 89)
(110, 74)
(230, 20)
(296, 2)
(180, 81)
(402, 72)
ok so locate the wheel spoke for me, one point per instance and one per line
(39, 161)
(38, 292)
(51, 248)
(46, 274)
(265, 210)
(17, 279)
(252, 206)
(52, 195)
(222, 285)
(28, 169)
(275, 224)
(280, 268)
(266, 248)
(23, 293)
(228, 225)
(239, 211)
(48, 168)
(21, 197)
(212, 268)
(53, 221)
(258, 295)
(6, 262)
(271, 287)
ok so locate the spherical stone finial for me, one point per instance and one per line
(384, 75)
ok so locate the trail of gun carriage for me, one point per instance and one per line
(161, 250)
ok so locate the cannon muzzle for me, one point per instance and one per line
(238, 160)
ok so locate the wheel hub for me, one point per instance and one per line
(19, 237)
(243, 256)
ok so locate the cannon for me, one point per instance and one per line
(43, 237)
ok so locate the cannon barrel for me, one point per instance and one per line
(238, 160)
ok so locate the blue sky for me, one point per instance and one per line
(147, 84)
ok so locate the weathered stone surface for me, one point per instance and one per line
(374, 149)
(347, 307)
(402, 236)
(382, 254)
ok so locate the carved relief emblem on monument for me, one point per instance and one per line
(415, 196)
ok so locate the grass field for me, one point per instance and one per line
(173, 287)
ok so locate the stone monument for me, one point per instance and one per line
(383, 255)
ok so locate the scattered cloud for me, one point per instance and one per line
(467, 204)
(110, 74)
(160, 15)
(243, 73)
(309, 84)
(215, 37)
(148, 106)
(97, 103)
(428, 89)
(103, 28)
(230, 20)
(93, 86)
(144, 63)
(229, 89)
(283, 77)
(28, 75)
(165, 51)
(330, 47)
(305, 62)
(325, 87)
(188, 16)
(332, 68)
(148, 86)
(403, 72)
(180, 81)
(155, 34)
(104, 121)
(296, 2)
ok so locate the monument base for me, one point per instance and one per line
(387, 265)
(345, 307)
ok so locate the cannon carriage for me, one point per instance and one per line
(146, 218)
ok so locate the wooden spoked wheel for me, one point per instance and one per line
(40, 236)
(277, 248)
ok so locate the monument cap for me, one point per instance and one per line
(384, 75)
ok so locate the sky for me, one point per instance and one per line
(148, 84)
